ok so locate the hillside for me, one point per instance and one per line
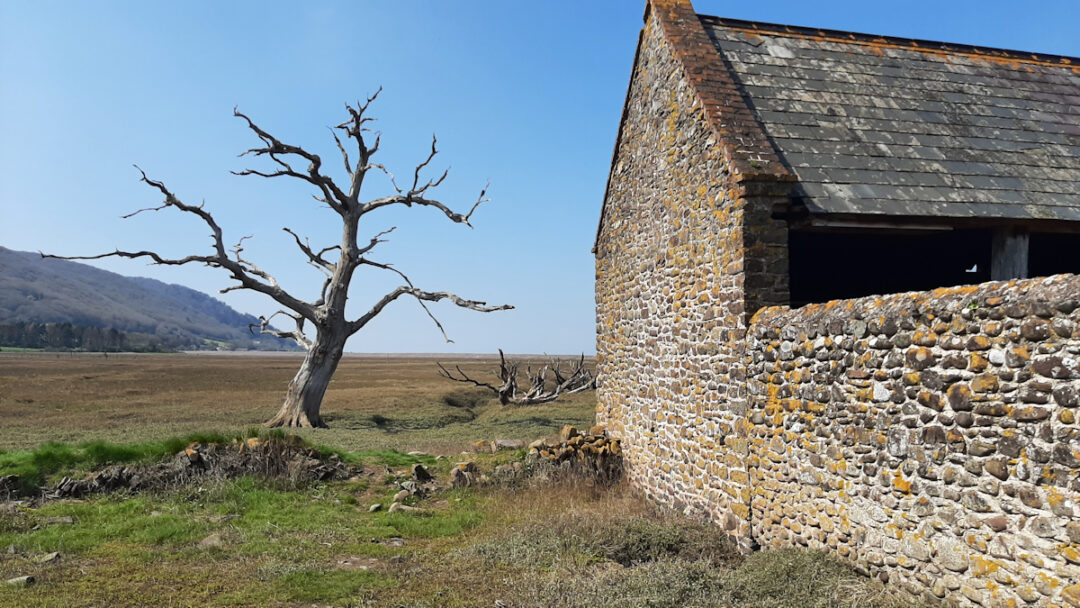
(59, 291)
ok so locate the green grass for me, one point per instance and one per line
(38, 466)
(315, 585)
(277, 545)
(49, 462)
(393, 458)
(98, 523)
(527, 545)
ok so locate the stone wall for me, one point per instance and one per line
(671, 286)
(930, 438)
(671, 237)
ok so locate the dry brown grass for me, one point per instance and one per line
(528, 545)
(372, 404)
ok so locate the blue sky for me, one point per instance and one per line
(526, 95)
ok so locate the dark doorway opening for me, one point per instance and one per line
(847, 264)
(1053, 254)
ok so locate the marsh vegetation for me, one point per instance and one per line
(254, 540)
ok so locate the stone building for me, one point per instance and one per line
(766, 182)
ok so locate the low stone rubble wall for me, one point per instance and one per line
(930, 438)
(286, 458)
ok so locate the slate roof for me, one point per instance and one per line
(897, 127)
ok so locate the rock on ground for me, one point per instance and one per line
(20, 581)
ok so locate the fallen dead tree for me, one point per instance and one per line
(546, 384)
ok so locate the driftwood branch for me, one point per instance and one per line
(539, 390)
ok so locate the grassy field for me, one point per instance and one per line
(372, 403)
(258, 542)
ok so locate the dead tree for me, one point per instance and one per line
(329, 326)
(539, 390)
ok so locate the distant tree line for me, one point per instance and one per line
(65, 336)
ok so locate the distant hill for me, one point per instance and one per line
(33, 289)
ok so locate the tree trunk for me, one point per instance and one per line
(306, 391)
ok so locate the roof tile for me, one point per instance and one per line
(894, 127)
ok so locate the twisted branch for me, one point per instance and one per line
(421, 297)
(539, 390)
(274, 148)
(297, 335)
(314, 258)
(241, 270)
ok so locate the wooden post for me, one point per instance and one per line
(1009, 257)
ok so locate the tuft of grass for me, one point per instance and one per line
(465, 516)
(318, 585)
(798, 578)
(665, 583)
(393, 458)
(626, 538)
(647, 539)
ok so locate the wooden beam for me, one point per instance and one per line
(877, 225)
(1009, 255)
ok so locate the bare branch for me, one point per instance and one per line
(416, 188)
(273, 147)
(540, 390)
(463, 378)
(380, 167)
(241, 270)
(375, 240)
(480, 199)
(250, 266)
(416, 193)
(283, 173)
(354, 128)
(375, 148)
(409, 201)
(344, 154)
(135, 254)
(322, 293)
(507, 375)
(315, 259)
(422, 296)
(297, 335)
(326, 249)
(138, 211)
(390, 267)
